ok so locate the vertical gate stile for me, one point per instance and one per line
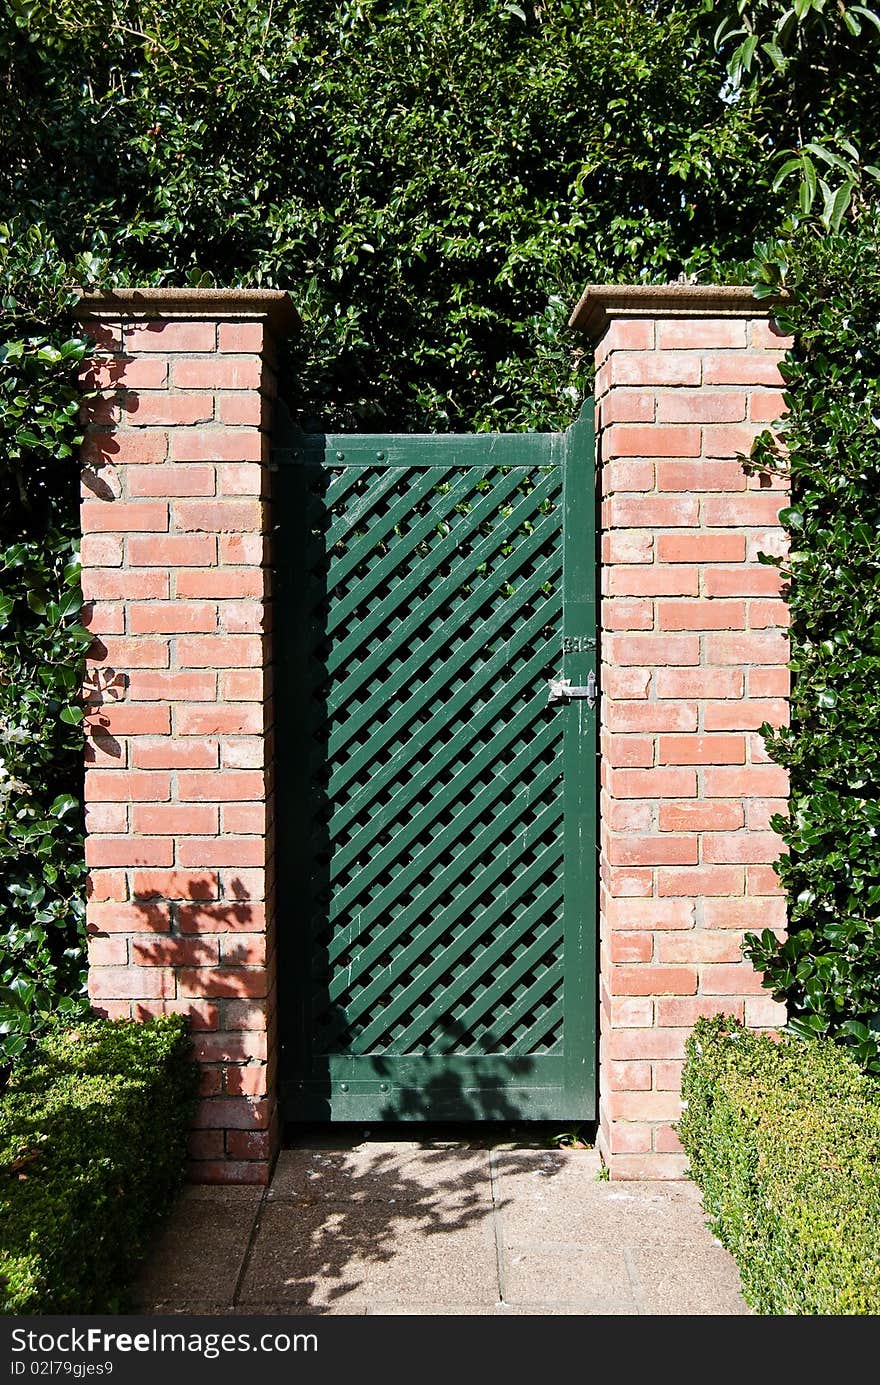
(437, 825)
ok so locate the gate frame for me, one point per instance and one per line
(176, 554)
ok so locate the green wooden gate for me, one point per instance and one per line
(436, 795)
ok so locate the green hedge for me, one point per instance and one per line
(784, 1142)
(92, 1151)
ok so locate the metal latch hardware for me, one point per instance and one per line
(561, 690)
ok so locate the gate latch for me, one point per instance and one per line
(561, 690)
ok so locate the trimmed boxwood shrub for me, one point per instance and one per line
(783, 1140)
(92, 1152)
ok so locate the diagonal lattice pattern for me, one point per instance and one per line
(433, 619)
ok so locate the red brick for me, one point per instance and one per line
(627, 476)
(175, 952)
(243, 685)
(108, 952)
(245, 752)
(701, 615)
(175, 884)
(106, 817)
(745, 913)
(225, 785)
(220, 651)
(627, 752)
(236, 582)
(766, 614)
(761, 810)
(191, 820)
(112, 1009)
(757, 848)
(648, 1166)
(739, 511)
(101, 550)
(738, 368)
(619, 614)
(699, 946)
(745, 715)
(653, 980)
(654, 914)
(701, 816)
(242, 408)
(245, 1014)
(654, 783)
(701, 475)
(213, 373)
(766, 406)
(750, 781)
(651, 716)
(171, 617)
(107, 618)
(232, 1172)
(245, 617)
(724, 979)
(247, 549)
(643, 1106)
(125, 446)
(762, 880)
(106, 884)
(129, 719)
(241, 883)
(243, 818)
(250, 1080)
(120, 652)
(627, 547)
(699, 334)
(654, 649)
(631, 1012)
(763, 1013)
(173, 410)
(626, 815)
(205, 1144)
(697, 881)
(651, 440)
(654, 580)
(168, 335)
(701, 750)
(173, 687)
(653, 851)
(684, 1011)
(132, 374)
(246, 337)
(765, 334)
(172, 480)
(653, 1044)
(173, 550)
(127, 851)
(701, 406)
(222, 981)
(630, 947)
(236, 1113)
(761, 647)
(701, 548)
(215, 515)
(631, 883)
(104, 751)
(132, 983)
(741, 581)
(698, 682)
(667, 1078)
(648, 368)
(213, 851)
(243, 478)
(174, 754)
(218, 443)
(629, 1077)
(243, 949)
(114, 917)
(239, 1047)
(105, 584)
(653, 511)
(121, 786)
(212, 719)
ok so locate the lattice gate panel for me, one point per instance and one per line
(422, 777)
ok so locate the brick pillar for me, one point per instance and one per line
(694, 660)
(178, 694)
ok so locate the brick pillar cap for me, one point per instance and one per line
(601, 303)
(273, 306)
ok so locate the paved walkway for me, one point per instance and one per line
(436, 1228)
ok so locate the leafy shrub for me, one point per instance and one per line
(828, 969)
(41, 639)
(92, 1148)
(784, 1143)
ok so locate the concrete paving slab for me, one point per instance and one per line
(195, 1265)
(596, 1213)
(687, 1279)
(352, 1254)
(384, 1173)
(595, 1279)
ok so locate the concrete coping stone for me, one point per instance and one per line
(273, 306)
(600, 304)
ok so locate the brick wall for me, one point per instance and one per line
(694, 660)
(179, 696)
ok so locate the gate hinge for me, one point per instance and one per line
(561, 690)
